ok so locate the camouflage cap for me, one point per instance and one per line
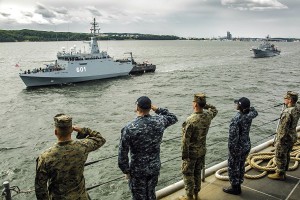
(291, 95)
(199, 97)
(62, 120)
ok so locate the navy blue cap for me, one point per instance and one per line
(144, 102)
(243, 102)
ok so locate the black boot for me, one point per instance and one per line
(234, 189)
(239, 188)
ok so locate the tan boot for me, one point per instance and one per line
(187, 197)
(277, 176)
(190, 197)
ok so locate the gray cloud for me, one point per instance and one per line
(62, 10)
(254, 5)
(27, 14)
(94, 11)
(44, 12)
(5, 14)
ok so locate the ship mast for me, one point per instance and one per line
(95, 28)
(94, 31)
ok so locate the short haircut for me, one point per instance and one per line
(64, 131)
(201, 103)
(143, 110)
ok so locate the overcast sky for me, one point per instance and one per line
(186, 18)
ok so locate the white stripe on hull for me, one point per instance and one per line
(33, 81)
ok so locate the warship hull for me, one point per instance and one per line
(258, 53)
(78, 66)
(36, 81)
(77, 71)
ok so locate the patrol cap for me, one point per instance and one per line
(144, 102)
(243, 102)
(291, 95)
(200, 99)
(62, 120)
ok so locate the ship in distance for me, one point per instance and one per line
(76, 66)
(266, 49)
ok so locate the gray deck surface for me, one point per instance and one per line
(256, 189)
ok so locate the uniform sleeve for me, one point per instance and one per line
(92, 139)
(168, 118)
(283, 127)
(212, 110)
(187, 130)
(123, 160)
(252, 113)
(41, 179)
(233, 136)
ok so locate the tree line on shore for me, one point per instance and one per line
(35, 36)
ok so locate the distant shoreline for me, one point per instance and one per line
(26, 35)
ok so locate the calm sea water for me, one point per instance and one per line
(223, 70)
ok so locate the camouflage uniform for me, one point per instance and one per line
(194, 131)
(142, 137)
(239, 145)
(59, 170)
(286, 137)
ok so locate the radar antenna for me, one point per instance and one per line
(95, 28)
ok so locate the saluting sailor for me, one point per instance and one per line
(59, 170)
(239, 144)
(142, 138)
(194, 131)
(286, 135)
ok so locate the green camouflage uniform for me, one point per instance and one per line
(194, 131)
(59, 170)
(286, 137)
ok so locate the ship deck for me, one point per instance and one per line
(263, 188)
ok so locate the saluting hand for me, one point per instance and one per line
(127, 176)
(154, 108)
(77, 128)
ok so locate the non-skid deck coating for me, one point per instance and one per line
(252, 189)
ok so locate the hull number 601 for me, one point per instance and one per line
(80, 69)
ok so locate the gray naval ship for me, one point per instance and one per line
(77, 66)
(266, 49)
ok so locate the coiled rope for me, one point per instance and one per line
(255, 159)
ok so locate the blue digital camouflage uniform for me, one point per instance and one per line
(142, 137)
(194, 131)
(239, 145)
(59, 170)
(286, 137)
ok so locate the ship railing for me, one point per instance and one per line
(6, 193)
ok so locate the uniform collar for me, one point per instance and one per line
(64, 142)
(148, 115)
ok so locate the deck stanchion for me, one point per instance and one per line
(6, 191)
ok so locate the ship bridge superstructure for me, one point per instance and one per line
(93, 53)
